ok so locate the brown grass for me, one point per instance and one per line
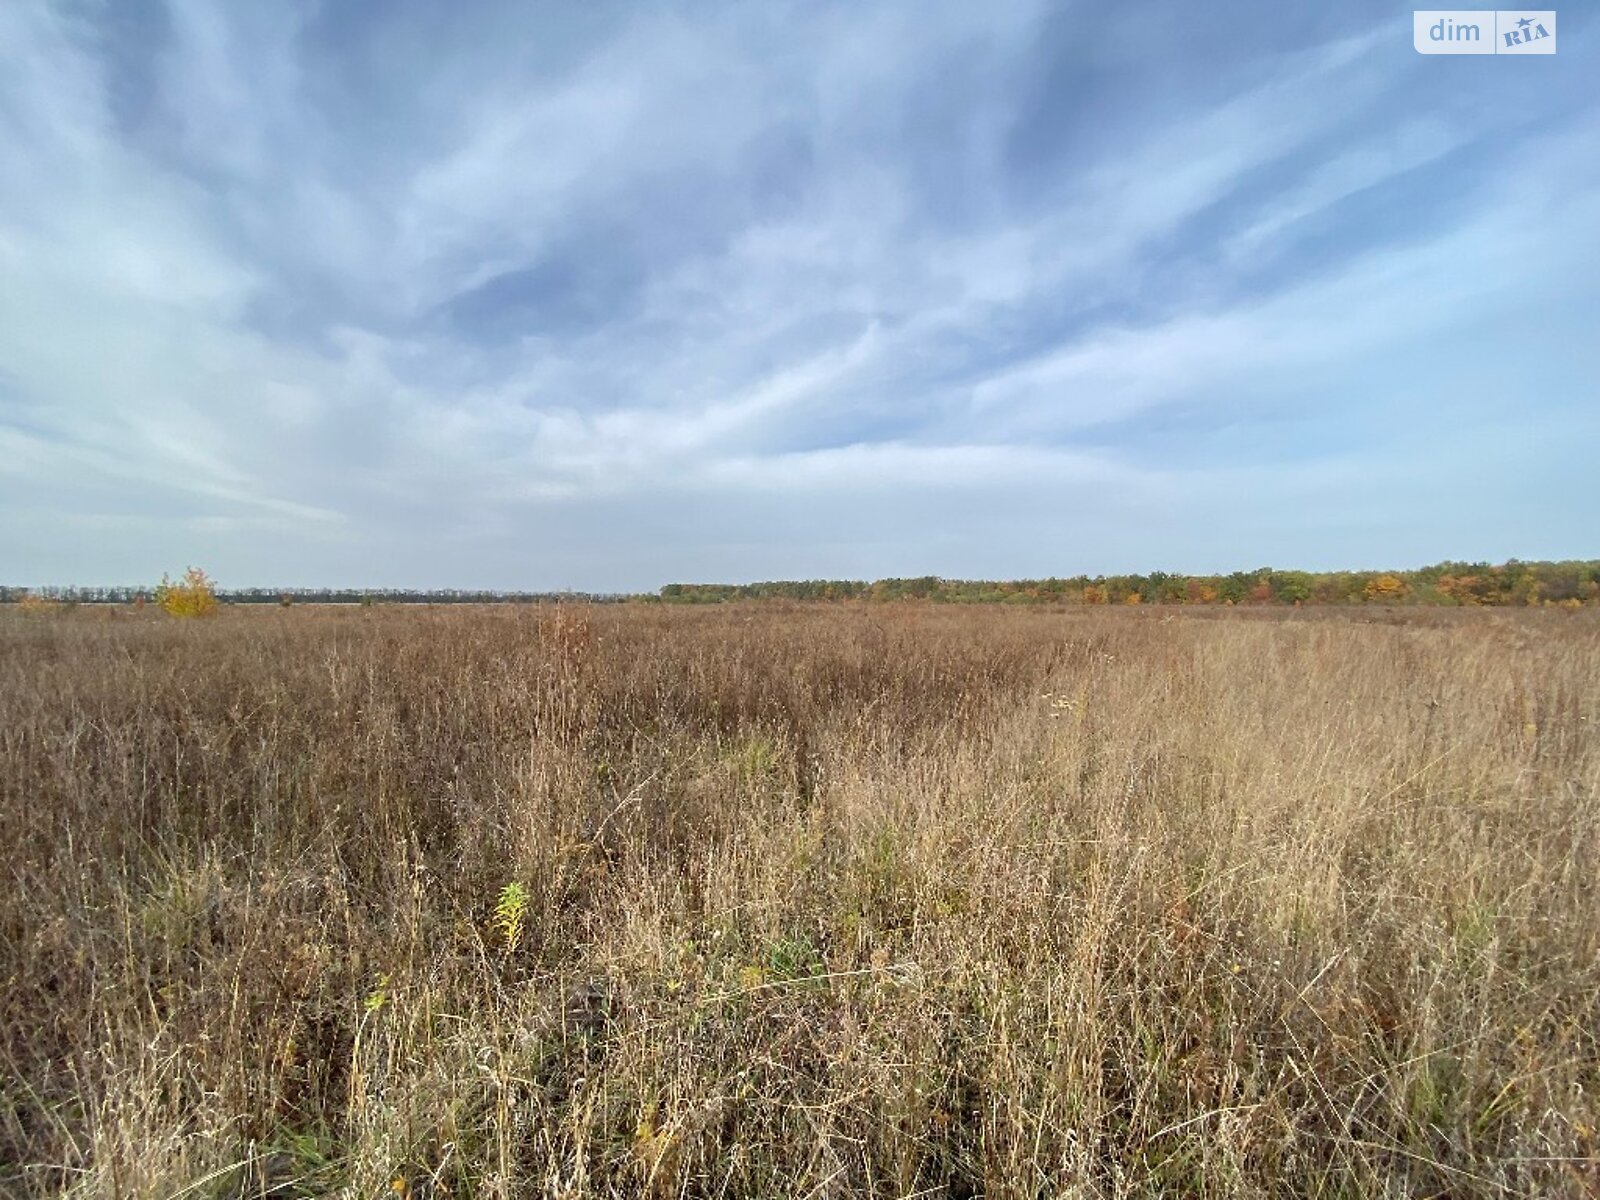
(883, 901)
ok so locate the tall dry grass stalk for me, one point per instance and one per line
(799, 901)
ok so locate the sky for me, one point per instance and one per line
(604, 296)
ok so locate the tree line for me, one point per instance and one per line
(290, 596)
(1570, 584)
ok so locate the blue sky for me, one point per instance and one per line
(605, 296)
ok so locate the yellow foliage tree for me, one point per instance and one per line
(1385, 587)
(192, 596)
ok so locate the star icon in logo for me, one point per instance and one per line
(1524, 23)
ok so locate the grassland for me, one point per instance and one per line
(772, 900)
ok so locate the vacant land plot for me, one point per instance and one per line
(799, 901)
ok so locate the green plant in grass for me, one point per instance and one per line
(510, 914)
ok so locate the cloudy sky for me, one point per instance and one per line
(608, 295)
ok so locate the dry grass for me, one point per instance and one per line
(809, 902)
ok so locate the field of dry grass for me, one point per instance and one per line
(797, 901)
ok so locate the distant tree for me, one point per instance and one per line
(1235, 587)
(1290, 587)
(1170, 589)
(1384, 588)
